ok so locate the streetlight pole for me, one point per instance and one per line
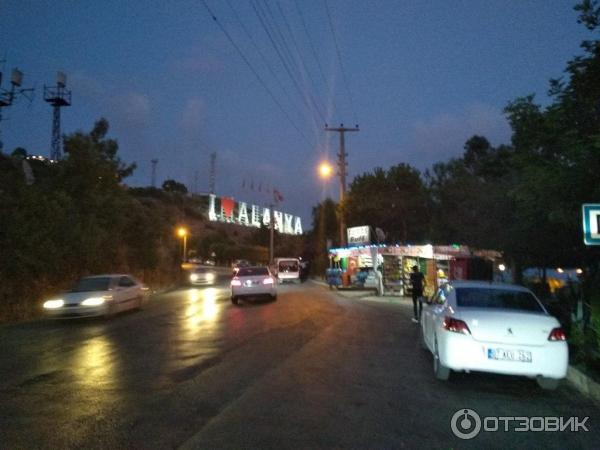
(182, 233)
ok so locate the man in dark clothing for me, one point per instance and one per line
(417, 281)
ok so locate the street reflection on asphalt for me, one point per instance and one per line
(203, 309)
(94, 364)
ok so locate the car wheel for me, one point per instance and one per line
(234, 300)
(273, 298)
(548, 384)
(441, 372)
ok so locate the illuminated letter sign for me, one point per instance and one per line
(227, 210)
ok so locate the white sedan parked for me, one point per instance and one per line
(496, 328)
(100, 295)
(253, 282)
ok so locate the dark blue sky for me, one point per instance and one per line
(424, 76)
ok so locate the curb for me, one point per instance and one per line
(583, 383)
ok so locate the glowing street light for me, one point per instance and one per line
(325, 170)
(182, 233)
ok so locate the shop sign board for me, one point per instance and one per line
(359, 235)
(241, 213)
(591, 224)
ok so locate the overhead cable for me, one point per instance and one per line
(258, 77)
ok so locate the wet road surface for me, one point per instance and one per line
(312, 370)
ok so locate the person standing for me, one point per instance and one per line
(417, 281)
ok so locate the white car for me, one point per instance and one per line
(496, 328)
(253, 282)
(99, 295)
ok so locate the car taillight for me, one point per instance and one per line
(557, 334)
(236, 282)
(268, 281)
(455, 325)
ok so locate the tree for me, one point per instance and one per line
(394, 200)
(325, 228)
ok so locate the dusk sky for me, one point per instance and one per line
(424, 76)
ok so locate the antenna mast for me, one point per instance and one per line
(212, 179)
(7, 97)
(153, 179)
(58, 96)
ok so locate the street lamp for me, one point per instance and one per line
(325, 170)
(182, 233)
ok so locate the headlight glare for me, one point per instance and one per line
(53, 304)
(93, 301)
(194, 277)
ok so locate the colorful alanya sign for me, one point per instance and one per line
(229, 211)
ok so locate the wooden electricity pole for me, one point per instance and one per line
(342, 172)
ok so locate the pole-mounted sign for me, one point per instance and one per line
(591, 224)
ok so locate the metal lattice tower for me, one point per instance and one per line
(58, 96)
(212, 178)
(7, 97)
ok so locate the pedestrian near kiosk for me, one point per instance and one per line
(417, 281)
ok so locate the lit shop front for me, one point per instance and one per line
(394, 262)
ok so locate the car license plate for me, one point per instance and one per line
(509, 355)
(248, 283)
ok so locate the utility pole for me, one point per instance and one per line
(342, 172)
(153, 179)
(58, 96)
(212, 178)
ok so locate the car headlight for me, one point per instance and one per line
(210, 277)
(93, 301)
(53, 304)
(194, 277)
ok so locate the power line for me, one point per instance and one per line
(263, 20)
(339, 56)
(259, 78)
(262, 55)
(314, 53)
(291, 33)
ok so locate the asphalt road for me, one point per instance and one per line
(312, 370)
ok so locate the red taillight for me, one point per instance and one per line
(557, 334)
(268, 281)
(455, 325)
(236, 282)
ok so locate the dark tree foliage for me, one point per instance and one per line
(174, 186)
(394, 200)
(72, 218)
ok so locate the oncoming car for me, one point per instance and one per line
(100, 295)
(500, 328)
(202, 275)
(253, 282)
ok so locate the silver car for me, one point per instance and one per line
(100, 295)
(253, 282)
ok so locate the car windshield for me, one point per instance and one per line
(200, 270)
(288, 266)
(252, 271)
(497, 298)
(92, 284)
